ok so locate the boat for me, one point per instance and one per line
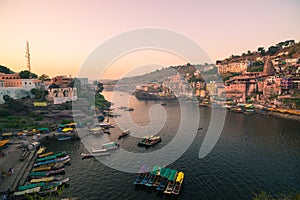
(146, 178)
(57, 160)
(106, 125)
(92, 155)
(4, 143)
(30, 186)
(29, 191)
(41, 150)
(178, 183)
(141, 175)
(149, 141)
(111, 145)
(39, 169)
(98, 150)
(64, 138)
(171, 182)
(57, 171)
(46, 179)
(163, 104)
(124, 133)
(45, 154)
(111, 114)
(52, 157)
(153, 176)
(159, 177)
(163, 183)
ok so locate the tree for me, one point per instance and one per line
(272, 50)
(25, 74)
(39, 93)
(5, 70)
(248, 52)
(261, 50)
(44, 77)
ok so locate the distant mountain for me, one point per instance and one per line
(5, 70)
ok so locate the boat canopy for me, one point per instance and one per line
(180, 177)
(30, 186)
(154, 170)
(143, 169)
(173, 175)
(162, 171)
(29, 191)
(110, 144)
(167, 173)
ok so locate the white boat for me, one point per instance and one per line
(94, 150)
(92, 155)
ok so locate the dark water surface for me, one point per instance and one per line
(254, 153)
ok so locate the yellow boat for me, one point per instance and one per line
(3, 142)
(7, 134)
(37, 180)
(46, 154)
(178, 183)
(41, 150)
(38, 169)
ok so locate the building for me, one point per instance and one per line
(234, 67)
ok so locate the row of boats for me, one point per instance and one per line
(99, 152)
(45, 177)
(166, 180)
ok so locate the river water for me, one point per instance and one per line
(253, 153)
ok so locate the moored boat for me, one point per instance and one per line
(164, 180)
(171, 182)
(45, 154)
(41, 150)
(178, 183)
(57, 160)
(43, 168)
(153, 176)
(28, 191)
(64, 138)
(52, 156)
(124, 133)
(141, 175)
(98, 150)
(160, 176)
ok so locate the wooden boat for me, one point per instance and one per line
(41, 150)
(178, 183)
(46, 179)
(124, 133)
(111, 146)
(29, 191)
(153, 176)
(37, 174)
(30, 186)
(39, 169)
(171, 182)
(45, 154)
(141, 175)
(3, 143)
(52, 157)
(149, 141)
(57, 160)
(160, 175)
(164, 180)
(92, 155)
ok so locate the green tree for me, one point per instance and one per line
(25, 74)
(5, 70)
(44, 77)
(39, 93)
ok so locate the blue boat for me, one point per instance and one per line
(141, 175)
(64, 138)
(153, 176)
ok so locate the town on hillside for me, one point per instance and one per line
(269, 78)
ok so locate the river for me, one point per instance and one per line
(253, 153)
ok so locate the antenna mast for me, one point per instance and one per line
(27, 55)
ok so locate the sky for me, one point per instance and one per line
(62, 34)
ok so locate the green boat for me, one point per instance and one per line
(37, 174)
(171, 182)
(164, 180)
(159, 177)
(30, 186)
(52, 157)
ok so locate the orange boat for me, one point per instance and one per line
(3, 142)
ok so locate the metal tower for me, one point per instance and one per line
(27, 55)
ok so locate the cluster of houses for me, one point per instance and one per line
(59, 88)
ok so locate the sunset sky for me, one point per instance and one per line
(62, 34)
